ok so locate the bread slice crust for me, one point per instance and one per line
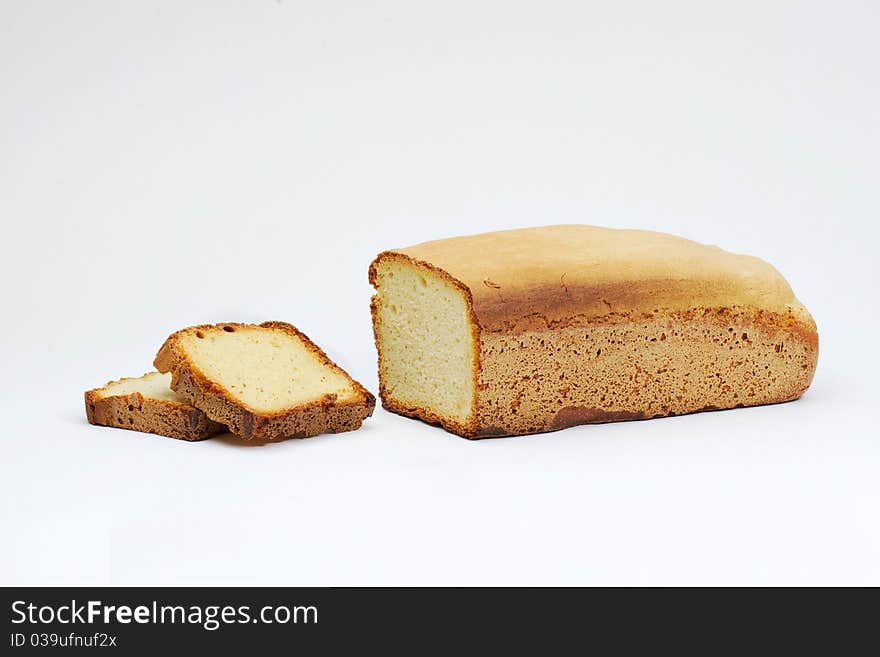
(325, 415)
(136, 412)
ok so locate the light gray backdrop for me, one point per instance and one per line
(169, 163)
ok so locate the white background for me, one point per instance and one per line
(164, 164)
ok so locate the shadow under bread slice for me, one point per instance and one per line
(266, 381)
(148, 404)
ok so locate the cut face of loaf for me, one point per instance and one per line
(428, 343)
(266, 381)
(539, 329)
(148, 404)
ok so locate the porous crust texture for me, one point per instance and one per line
(322, 416)
(158, 416)
(579, 325)
(627, 368)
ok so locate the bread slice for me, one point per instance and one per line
(266, 381)
(538, 329)
(148, 404)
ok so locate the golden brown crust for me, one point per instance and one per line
(667, 364)
(687, 327)
(322, 416)
(158, 416)
(588, 272)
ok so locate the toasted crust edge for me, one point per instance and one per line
(135, 412)
(316, 417)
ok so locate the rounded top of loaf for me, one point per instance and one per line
(550, 275)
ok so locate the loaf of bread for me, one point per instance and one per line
(148, 404)
(266, 381)
(539, 329)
